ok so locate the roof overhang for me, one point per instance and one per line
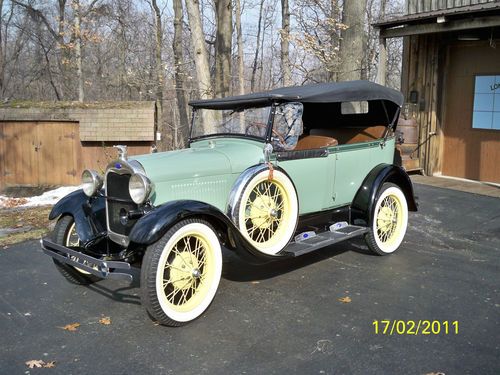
(471, 17)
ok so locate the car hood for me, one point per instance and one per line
(203, 158)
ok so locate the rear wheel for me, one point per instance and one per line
(181, 272)
(389, 222)
(65, 234)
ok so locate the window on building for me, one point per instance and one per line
(486, 114)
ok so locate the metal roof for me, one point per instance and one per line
(458, 12)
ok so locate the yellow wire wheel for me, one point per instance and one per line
(390, 220)
(268, 211)
(72, 240)
(65, 234)
(181, 272)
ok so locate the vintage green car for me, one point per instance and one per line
(268, 175)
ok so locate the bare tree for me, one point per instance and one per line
(240, 59)
(131, 52)
(78, 48)
(223, 42)
(285, 43)
(352, 43)
(257, 47)
(200, 50)
(158, 59)
(179, 73)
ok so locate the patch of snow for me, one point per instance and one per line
(48, 198)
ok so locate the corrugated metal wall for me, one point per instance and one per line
(421, 6)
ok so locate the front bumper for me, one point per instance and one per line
(101, 268)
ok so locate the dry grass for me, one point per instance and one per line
(29, 223)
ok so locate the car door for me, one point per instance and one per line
(313, 174)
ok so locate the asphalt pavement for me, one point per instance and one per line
(283, 317)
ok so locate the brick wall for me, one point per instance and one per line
(121, 121)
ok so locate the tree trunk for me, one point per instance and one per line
(200, 50)
(382, 54)
(158, 63)
(63, 51)
(201, 61)
(239, 37)
(285, 43)
(78, 49)
(257, 47)
(180, 75)
(2, 88)
(223, 42)
(351, 45)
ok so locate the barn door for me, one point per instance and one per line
(19, 164)
(57, 146)
(39, 153)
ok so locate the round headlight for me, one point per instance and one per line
(91, 181)
(140, 188)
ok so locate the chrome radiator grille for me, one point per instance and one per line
(119, 203)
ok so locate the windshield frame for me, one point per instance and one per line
(265, 139)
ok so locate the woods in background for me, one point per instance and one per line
(172, 51)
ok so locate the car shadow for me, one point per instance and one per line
(236, 269)
(127, 294)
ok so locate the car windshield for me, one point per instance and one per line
(250, 122)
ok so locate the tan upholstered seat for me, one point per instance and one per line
(352, 135)
(310, 142)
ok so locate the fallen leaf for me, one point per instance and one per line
(255, 282)
(35, 363)
(50, 364)
(345, 299)
(105, 320)
(71, 327)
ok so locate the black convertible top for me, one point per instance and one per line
(332, 92)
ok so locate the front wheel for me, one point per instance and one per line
(389, 221)
(181, 272)
(267, 211)
(65, 234)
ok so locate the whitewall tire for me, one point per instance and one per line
(181, 272)
(389, 221)
(267, 211)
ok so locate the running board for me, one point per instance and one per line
(323, 239)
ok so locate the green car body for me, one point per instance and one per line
(208, 169)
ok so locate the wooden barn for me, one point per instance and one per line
(451, 82)
(47, 144)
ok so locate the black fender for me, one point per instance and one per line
(363, 204)
(152, 226)
(89, 213)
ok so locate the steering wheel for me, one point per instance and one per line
(263, 126)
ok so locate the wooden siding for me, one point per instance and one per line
(41, 153)
(422, 73)
(469, 153)
(442, 72)
(423, 6)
